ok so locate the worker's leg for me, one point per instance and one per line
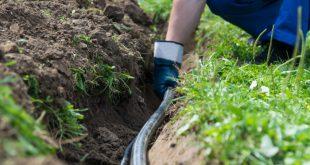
(254, 16)
(286, 23)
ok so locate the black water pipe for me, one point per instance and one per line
(137, 149)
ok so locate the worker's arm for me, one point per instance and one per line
(184, 18)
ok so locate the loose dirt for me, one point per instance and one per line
(37, 38)
(170, 148)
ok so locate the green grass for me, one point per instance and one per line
(103, 80)
(244, 113)
(64, 122)
(159, 10)
(81, 38)
(27, 130)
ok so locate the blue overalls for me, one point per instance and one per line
(254, 16)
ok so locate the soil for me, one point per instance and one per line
(38, 38)
(172, 149)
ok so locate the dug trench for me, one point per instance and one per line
(66, 47)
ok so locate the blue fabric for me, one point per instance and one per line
(165, 75)
(254, 16)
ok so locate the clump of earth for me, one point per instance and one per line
(37, 38)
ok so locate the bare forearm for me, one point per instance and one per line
(184, 19)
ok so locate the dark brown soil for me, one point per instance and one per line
(38, 37)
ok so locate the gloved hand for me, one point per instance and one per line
(167, 58)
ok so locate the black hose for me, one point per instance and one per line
(138, 147)
(127, 153)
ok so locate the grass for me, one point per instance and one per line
(158, 9)
(104, 80)
(243, 113)
(81, 38)
(27, 131)
(64, 122)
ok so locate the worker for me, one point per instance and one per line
(253, 16)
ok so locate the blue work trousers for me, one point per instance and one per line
(254, 16)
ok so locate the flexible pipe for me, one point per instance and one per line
(138, 147)
(127, 153)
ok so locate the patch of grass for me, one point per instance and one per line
(62, 18)
(103, 80)
(64, 121)
(27, 130)
(244, 113)
(33, 85)
(81, 38)
(46, 12)
(158, 9)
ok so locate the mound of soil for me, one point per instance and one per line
(39, 38)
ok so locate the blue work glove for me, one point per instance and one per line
(167, 59)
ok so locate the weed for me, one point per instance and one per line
(81, 38)
(66, 122)
(62, 18)
(104, 80)
(63, 122)
(10, 63)
(33, 85)
(46, 12)
(28, 131)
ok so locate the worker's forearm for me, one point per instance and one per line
(184, 18)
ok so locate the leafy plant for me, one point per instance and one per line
(81, 38)
(104, 79)
(33, 85)
(28, 132)
(63, 122)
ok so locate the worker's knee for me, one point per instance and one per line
(217, 7)
(236, 7)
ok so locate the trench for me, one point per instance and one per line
(111, 129)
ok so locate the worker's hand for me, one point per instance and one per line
(167, 59)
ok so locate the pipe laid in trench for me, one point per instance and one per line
(137, 149)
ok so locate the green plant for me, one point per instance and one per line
(158, 9)
(103, 79)
(33, 85)
(63, 122)
(81, 38)
(46, 12)
(27, 130)
(62, 18)
(239, 111)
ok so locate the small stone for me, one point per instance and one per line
(101, 4)
(8, 47)
(173, 145)
(83, 45)
(84, 3)
(115, 13)
(15, 28)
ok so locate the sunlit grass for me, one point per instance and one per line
(239, 111)
(23, 138)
